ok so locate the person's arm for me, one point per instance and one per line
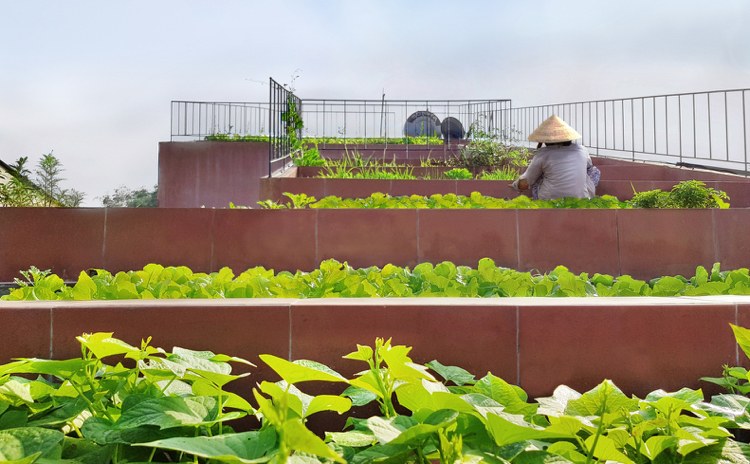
(533, 171)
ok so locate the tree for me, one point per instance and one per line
(20, 167)
(123, 197)
(41, 189)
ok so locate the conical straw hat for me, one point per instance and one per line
(553, 130)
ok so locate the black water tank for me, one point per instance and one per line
(452, 129)
(422, 123)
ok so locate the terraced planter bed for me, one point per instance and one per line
(538, 343)
(188, 405)
(641, 243)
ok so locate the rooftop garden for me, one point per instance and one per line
(130, 401)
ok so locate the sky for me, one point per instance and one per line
(92, 81)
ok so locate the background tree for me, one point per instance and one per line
(40, 188)
(123, 197)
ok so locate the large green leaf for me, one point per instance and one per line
(742, 335)
(302, 370)
(352, 438)
(655, 445)
(168, 412)
(508, 429)
(513, 398)
(61, 369)
(17, 388)
(385, 430)
(604, 449)
(416, 396)
(84, 451)
(359, 396)
(735, 408)
(103, 432)
(29, 443)
(453, 374)
(604, 398)
(687, 395)
(102, 344)
(420, 432)
(244, 447)
(382, 454)
(567, 450)
(335, 403)
(59, 415)
(299, 438)
(540, 457)
(556, 404)
(724, 452)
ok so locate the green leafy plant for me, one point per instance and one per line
(42, 188)
(89, 410)
(487, 149)
(336, 279)
(308, 157)
(120, 403)
(686, 194)
(220, 137)
(458, 174)
(452, 201)
(504, 173)
(339, 171)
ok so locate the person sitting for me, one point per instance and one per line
(562, 168)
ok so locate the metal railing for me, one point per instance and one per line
(388, 119)
(708, 129)
(702, 129)
(196, 120)
(284, 109)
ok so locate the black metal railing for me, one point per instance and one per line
(707, 129)
(702, 129)
(197, 120)
(381, 121)
(284, 125)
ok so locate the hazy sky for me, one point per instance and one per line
(92, 80)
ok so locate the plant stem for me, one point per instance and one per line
(599, 431)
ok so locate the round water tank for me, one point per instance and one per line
(452, 129)
(422, 123)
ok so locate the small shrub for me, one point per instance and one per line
(458, 174)
(695, 194)
(686, 194)
(309, 157)
(650, 199)
(504, 173)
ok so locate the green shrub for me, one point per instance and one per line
(504, 173)
(458, 174)
(308, 157)
(686, 194)
(336, 279)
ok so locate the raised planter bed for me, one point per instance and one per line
(274, 188)
(391, 152)
(642, 243)
(641, 344)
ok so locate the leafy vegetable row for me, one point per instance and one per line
(332, 140)
(160, 406)
(686, 194)
(334, 279)
(438, 201)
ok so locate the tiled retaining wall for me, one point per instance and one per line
(640, 343)
(643, 243)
